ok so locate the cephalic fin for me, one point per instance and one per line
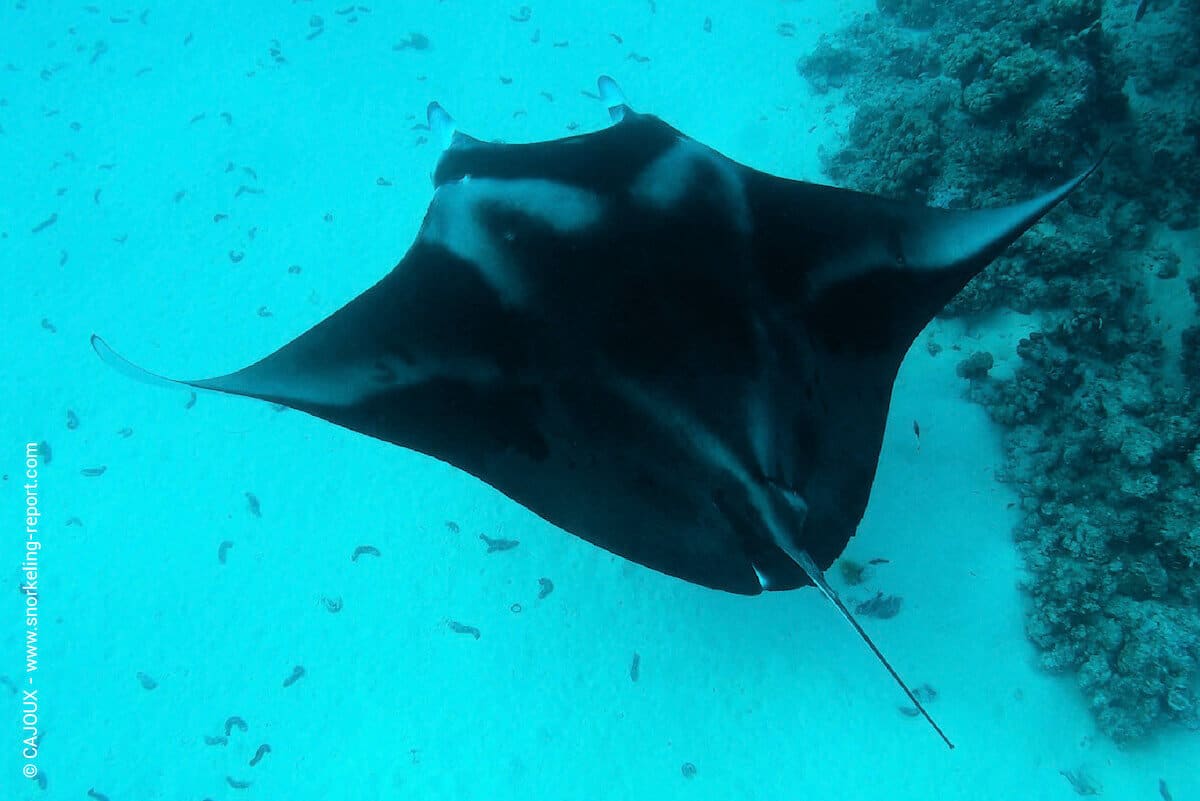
(613, 98)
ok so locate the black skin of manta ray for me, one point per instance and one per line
(683, 360)
(691, 366)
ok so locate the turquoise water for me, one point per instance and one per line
(163, 177)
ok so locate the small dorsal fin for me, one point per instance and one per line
(807, 564)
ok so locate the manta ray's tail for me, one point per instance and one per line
(807, 564)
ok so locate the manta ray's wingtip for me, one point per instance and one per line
(130, 370)
(107, 354)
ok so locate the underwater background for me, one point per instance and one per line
(201, 182)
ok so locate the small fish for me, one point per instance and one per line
(191, 401)
(452, 527)
(92, 793)
(235, 784)
(708, 24)
(223, 550)
(233, 721)
(148, 682)
(262, 751)
(523, 14)
(49, 326)
(44, 224)
(215, 740)
(881, 606)
(364, 550)
(334, 605)
(94, 472)
(1162, 783)
(1081, 781)
(635, 667)
(460, 628)
(925, 694)
(415, 41)
(545, 587)
(252, 502)
(297, 674)
(1143, 6)
(494, 545)
(45, 452)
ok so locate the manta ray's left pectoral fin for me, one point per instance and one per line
(130, 370)
(239, 383)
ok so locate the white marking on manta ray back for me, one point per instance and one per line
(760, 413)
(671, 178)
(458, 223)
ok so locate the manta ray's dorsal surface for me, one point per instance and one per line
(678, 358)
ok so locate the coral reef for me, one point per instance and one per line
(975, 366)
(966, 103)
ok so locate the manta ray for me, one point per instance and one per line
(681, 359)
